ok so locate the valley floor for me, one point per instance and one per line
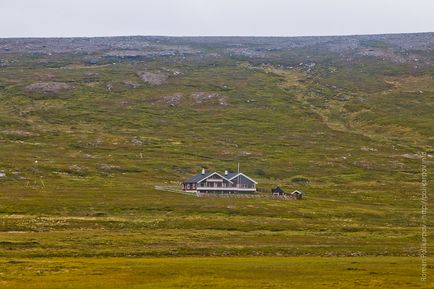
(216, 272)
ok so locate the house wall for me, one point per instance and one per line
(244, 182)
(215, 182)
(189, 187)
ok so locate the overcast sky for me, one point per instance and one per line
(61, 18)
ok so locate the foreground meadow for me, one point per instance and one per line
(219, 272)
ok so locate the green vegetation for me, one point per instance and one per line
(276, 272)
(82, 158)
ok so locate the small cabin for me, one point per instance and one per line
(277, 191)
(297, 194)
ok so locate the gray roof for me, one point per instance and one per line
(198, 177)
(231, 175)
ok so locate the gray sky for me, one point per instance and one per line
(58, 18)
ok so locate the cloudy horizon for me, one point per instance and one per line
(49, 18)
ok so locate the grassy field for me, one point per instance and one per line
(276, 272)
(80, 159)
(155, 223)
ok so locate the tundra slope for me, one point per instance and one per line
(88, 126)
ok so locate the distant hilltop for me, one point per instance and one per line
(398, 48)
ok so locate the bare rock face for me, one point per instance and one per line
(198, 98)
(206, 97)
(107, 168)
(171, 100)
(47, 87)
(153, 78)
(172, 71)
(76, 170)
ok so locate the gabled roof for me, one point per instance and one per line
(214, 173)
(197, 178)
(277, 190)
(297, 192)
(200, 177)
(241, 174)
(230, 175)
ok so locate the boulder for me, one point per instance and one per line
(47, 87)
(153, 78)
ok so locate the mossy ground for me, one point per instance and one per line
(81, 166)
(227, 272)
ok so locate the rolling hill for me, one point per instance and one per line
(88, 127)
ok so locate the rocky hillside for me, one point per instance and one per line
(283, 107)
(88, 126)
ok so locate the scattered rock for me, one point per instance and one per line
(89, 156)
(396, 165)
(106, 168)
(76, 170)
(2, 175)
(364, 164)
(153, 78)
(94, 144)
(411, 156)
(48, 87)
(136, 141)
(172, 71)
(91, 74)
(197, 97)
(343, 97)
(109, 86)
(206, 97)
(172, 100)
(17, 133)
(368, 149)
